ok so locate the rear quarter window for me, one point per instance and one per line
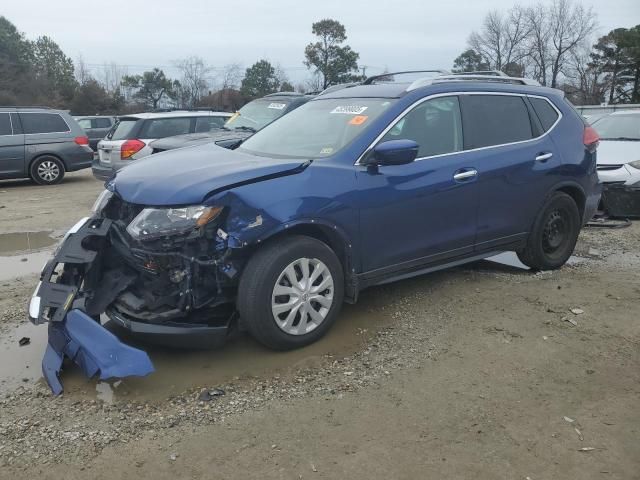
(545, 112)
(494, 120)
(43, 123)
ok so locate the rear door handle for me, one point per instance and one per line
(465, 174)
(543, 157)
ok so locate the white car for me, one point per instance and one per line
(129, 139)
(619, 161)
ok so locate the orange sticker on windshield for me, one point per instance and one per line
(358, 120)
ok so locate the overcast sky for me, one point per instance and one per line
(398, 34)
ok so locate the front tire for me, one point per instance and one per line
(554, 234)
(47, 170)
(291, 292)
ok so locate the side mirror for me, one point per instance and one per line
(393, 152)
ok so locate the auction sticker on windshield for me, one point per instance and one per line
(277, 106)
(349, 109)
(358, 120)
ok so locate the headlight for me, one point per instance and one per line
(635, 164)
(159, 222)
(101, 202)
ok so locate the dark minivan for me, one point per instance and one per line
(42, 144)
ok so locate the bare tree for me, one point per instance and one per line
(81, 70)
(110, 75)
(193, 84)
(231, 76)
(501, 40)
(586, 84)
(571, 25)
(538, 43)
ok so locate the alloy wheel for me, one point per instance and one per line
(48, 171)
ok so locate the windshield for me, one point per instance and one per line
(255, 115)
(121, 130)
(618, 127)
(317, 129)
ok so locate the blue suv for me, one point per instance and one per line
(361, 186)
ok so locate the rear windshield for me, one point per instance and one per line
(122, 129)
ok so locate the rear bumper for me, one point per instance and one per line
(100, 171)
(79, 159)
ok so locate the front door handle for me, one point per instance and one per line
(465, 174)
(543, 157)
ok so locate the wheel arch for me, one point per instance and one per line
(576, 192)
(331, 235)
(47, 154)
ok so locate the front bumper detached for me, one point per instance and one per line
(621, 200)
(72, 332)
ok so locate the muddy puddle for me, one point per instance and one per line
(20, 253)
(178, 370)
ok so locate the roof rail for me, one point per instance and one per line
(27, 106)
(492, 73)
(490, 78)
(284, 94)
(339, 86)
(371, 80)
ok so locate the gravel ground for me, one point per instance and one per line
(464, 373)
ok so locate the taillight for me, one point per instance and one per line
(130, 147)
(81, 140)
(591, 139)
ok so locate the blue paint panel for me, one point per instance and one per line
(93, 348)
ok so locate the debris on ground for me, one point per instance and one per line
(208, 395)
(567, 419)
(586, 449)
(570, 320)
(579, 434)
(577, 311)
(24, 341)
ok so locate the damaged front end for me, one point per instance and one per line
(166, 273)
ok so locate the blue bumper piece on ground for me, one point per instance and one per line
(93, 348)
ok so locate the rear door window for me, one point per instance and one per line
(43, 123)
(166, 127)
(545, 112)
(123, 129)
(489, 120)
(5, 124)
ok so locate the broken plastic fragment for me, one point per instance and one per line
(93, 348)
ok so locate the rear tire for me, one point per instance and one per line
(291, 292)
(554, 234)
(47, 170)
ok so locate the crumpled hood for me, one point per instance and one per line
(187, 176)
(193, 139)
(617, 152)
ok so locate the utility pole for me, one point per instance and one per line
(364, 71)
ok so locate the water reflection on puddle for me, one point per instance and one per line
(27, 262)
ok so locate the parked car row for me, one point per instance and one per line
(360, 186)
(96, 127)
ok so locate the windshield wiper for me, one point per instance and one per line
(622, 139)
(248, 129)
